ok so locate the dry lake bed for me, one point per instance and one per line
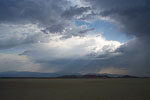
(75, 89)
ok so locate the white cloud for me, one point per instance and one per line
(74, 47)
(80, 3)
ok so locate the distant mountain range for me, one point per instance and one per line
(15, 74)
(98, 76)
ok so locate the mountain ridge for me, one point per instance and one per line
(26, 74)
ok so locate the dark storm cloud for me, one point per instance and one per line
(74, 11)
(35, 11)
(58, 28)
(133, 16)
(46, 13)
(51, 14)
(87, 30)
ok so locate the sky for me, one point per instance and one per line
(75, 36)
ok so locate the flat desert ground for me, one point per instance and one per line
(75, 89)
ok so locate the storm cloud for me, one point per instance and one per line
(26, 21)
(35, 11)
(49, 36)
(74, 11)
(133, 19)
(132, 15)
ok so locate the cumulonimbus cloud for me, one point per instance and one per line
(57, 18)
(133, 18)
